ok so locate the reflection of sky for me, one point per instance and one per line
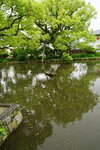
(3, 83)
(11, 74)
(95, 24)
(7, 74)
(54, 66)
(79, 71)
(21, 76)
(95, 87)
(39, 77)
(4, 75)
(29, 72)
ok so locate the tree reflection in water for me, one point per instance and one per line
(61, 99)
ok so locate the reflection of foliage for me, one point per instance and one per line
(65, 100)
(33, 130)
(61, 100)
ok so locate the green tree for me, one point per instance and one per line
(65, 23)
(16, 22)
(61, 25)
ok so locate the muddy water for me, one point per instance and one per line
(60, 112)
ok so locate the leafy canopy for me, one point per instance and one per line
(61, 25)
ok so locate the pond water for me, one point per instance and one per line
(60, 112)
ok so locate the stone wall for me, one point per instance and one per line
(10, 119)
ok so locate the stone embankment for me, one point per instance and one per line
(10, 118)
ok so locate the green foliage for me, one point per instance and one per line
(67, 57)
(34, 54)
(32, 25)
(5, 60)
(81, 55)
(90, 49)
(98, 54)
(63, 29)
(2, 130)
(21, 55)
(3, 55)
(87, 48)
(91, 55)
(98, 47)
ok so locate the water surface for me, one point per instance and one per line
(60, 112)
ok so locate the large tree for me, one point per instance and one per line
(58, 24)
(65, 23)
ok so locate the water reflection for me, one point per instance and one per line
(79, 71)
(54, 67)
(40, 77)
(95, 86)
(11, 74)
(47, 103)
(3, 83)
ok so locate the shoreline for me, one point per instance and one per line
(52, 60)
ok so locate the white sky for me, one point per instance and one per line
(95, 24)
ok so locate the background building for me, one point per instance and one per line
(97, 43)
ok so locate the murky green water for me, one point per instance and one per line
(60, 112)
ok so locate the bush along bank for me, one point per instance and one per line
(59, 57)
(84, 56)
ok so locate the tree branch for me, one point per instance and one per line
(18, 27)
(42, 26)
(4, 47)
(1, 3)
(11, 25)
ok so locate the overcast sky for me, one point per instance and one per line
(95, 24)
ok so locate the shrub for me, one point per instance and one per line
(89, 49)
(4, 60)
(3, 55)
(2, 130)
(67, 57)
(22, 55)
(91, 55)
(98, 54)
(81, 55)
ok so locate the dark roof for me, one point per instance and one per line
(97, 32)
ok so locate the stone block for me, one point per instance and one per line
(19, 117)
(10, 127)
(7, 120)
(14, 124)
(10, 119)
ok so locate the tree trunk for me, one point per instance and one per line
(43, 56)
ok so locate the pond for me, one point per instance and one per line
(61, 112)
